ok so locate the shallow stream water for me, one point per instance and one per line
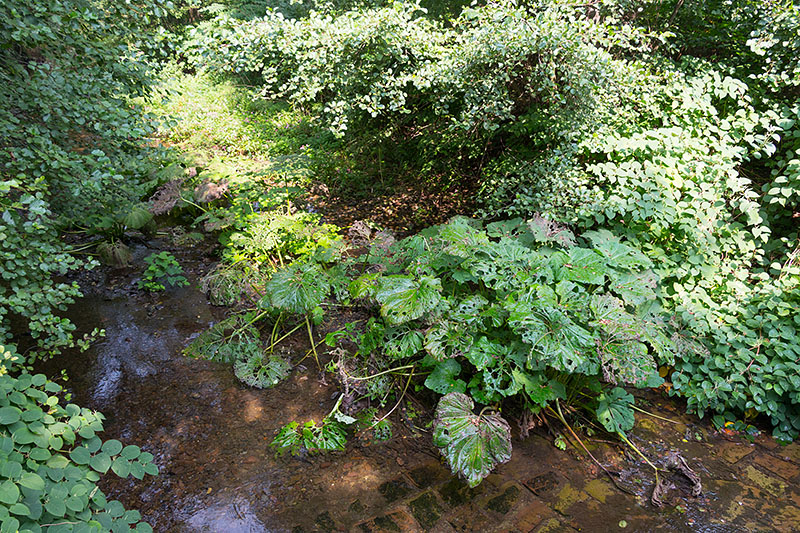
(210, 435)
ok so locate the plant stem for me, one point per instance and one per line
(272, 346)
(274, 333)
(399, 401)
(563, 420)
(336, 407)
(311, 339)
(381, 373)
(84, 247)
(646, 460)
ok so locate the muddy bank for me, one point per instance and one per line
(210, 435)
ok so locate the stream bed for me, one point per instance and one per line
(210, 436)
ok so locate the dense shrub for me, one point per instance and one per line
(71, 144)
(72, 152)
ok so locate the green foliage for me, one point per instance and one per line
(219, 116)
(232, 339)
(614, 411)
(51, 460)
(162, 267)
(71, 146)
(260, 371)
(514, 309)
(326, 437)
(472, 444)
(30, 257)
(265, 237)
(229, 284)
(667, 132)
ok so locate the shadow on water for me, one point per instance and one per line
(210, 437)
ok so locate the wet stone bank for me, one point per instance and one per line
(210, 437)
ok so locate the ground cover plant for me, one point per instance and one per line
(73, 156)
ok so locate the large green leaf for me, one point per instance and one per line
(463, 237)
(260, 371)
(472, 444)
(555, 340)
(138, 217)
(402, 342)
(485, 353)
(330, 436)
(614, 410)
(443, 378)
(538, 388)
(617, 255)
(635, 288)
(585, 266)
(624, 357)
(447, 339)
(227, 341)
(299, 288)
(628, 361)
(403, 298)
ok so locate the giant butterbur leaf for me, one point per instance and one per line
(443, 378)
(260, 371)
(227, 341)
(617, 255)
(614, 410)
(138, 217)
(585, 266)
(299, 288)
(472, 444)
(554, 338)
(404, 298)
(463, 237)
(635, 288)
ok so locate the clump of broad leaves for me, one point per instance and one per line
(517, 310)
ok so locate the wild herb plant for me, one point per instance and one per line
(162, 267)
(511, 310)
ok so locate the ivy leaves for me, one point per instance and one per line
(472, 444)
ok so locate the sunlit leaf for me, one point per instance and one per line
(472, 444)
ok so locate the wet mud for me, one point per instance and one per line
(210, 437)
